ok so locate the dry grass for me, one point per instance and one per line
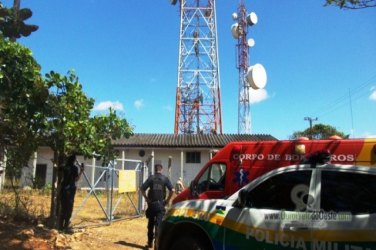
(91, 209)
(36, 205)
(94, 231)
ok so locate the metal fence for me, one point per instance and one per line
(103, 182)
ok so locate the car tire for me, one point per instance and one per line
(188, 243)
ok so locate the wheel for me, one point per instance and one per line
(188, 243)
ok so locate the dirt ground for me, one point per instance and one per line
(125, 234)
(90, 228)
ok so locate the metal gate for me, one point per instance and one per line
(105, 181)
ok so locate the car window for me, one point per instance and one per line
(286, 191)
(213, 178)
(348, 192)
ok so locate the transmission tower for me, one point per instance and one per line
(249, 76)
(198, 103)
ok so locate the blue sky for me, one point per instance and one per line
(321, 61)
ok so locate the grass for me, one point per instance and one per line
(35, 206)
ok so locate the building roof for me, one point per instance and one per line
(188, 140)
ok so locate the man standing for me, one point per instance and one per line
(71, 174)
(156, 199)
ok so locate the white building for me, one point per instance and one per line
(181, 155)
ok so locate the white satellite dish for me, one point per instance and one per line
(235, 30)
(256, 76)
(234, 16)
(252, 19)
(251, 42)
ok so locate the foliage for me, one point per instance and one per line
(107, 128)
(68, 126)
(12, 22)
(22, 97)
(319, 131)
(70, 129)
(352, 4)
(51, 112)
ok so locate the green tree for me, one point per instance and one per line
(12, 21)
(352, 4)
(22, 97)
(319, 131)
(67, 127)
(107, 128)
(70, 129)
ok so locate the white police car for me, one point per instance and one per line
(309, 207)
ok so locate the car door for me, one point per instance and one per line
(347, 218)
(275, 214)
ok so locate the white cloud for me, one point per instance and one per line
(139, 103)
(373, 94)
(259, 95)
(108, 104)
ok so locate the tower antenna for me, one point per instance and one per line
(198, 102)
(249, 76)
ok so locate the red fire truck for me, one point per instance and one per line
(238, 163)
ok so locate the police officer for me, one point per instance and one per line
(156, 198)
(71, 174)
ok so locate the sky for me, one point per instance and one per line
(320, 61)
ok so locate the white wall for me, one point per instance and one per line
(188, 170)
(161, 155)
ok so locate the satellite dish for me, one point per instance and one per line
(173, 2)
(256, 76)
(251, 42)
(235, 30)
(252, 19)
(234, 16)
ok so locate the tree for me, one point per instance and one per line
(107, 128)
(67, 126)
(70, 129)
(352, 4)
(319, 131)
(12, 21)
(22, 97)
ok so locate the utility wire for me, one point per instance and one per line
(355, 94)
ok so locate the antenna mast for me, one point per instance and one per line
(249, 77)
(198, 103)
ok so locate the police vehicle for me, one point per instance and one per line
(315, 205)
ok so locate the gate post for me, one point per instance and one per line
(142, 179)
(110, 189)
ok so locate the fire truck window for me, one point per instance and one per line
(286, 191)
(348, 192)
(203, 182)
(213, 178)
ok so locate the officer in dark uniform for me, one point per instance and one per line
(156, 199)
(71, 174)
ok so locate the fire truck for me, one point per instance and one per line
(303, 194)
(238, 163)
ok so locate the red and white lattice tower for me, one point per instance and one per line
(251, 78)
(198, 102)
